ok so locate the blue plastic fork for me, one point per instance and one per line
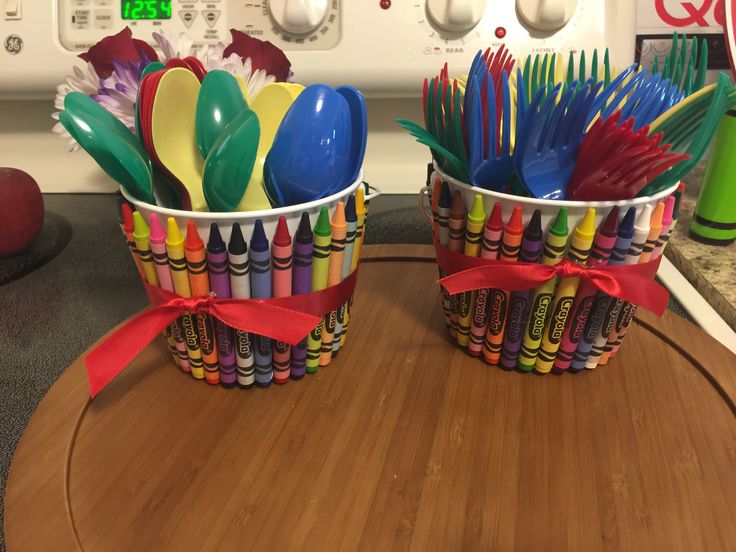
(549, 138)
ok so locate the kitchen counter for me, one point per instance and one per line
(711, 269)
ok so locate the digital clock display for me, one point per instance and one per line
(145, 9)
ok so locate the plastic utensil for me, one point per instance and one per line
(220, 101)
(173, 131)
(359, 130)
(493, 170)
(114, 154)
(310, 154)
(270, 105)
(547, 144)
(196, 67)
(229, 164)
(680, 65)
(446, 159)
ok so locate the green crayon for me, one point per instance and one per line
(320, 269)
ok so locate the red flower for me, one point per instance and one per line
(121, 47)
(263, 55)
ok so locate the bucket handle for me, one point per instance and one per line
(371, 191)
(425, 191)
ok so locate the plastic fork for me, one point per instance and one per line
(446, 159)
(549, 137)
(680, 65)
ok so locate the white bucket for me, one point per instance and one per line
(549, 208)
(246, 219)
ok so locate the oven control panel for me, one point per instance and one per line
(385, 47)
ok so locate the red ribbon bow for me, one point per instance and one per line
(633, 283)
(287, 319)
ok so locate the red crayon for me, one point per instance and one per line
(281, 257)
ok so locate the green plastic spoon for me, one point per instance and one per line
(230, 162)
(220, 101)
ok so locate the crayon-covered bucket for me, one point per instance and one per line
(561, 323)
(278, 253)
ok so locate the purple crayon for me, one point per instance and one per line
(605, 239)
(260, 288)
(301, 275)
(217, 261)
(531, 252)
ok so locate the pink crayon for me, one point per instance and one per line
(281, 256)
(161, 261)
(603, 243)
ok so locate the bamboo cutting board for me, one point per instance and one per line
(403, 442)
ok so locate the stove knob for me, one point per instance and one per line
(546, 15)
(298, 16)
(456, 15)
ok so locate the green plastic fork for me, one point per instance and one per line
(680, 66)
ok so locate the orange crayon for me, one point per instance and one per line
(199, 283)
(339, 226)
(456, 242)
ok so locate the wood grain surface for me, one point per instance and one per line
(403, 442)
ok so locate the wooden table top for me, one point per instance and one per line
(403, 442)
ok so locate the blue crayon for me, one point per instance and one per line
(531, 252)
(260, 288)
(602, 302)
(301, 282)
(351, 217)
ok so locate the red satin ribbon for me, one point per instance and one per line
(633, 283)
(287, 319)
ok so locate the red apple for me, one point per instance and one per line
(21, 211)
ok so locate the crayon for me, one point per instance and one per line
(362, 213)
(628, 310)
(531, 252)
(219, 267)
(582, 241)
(178, 267)
(473, 239)
(199, 283)
(499, 299)
(456, 242)
(141, 237)
(301, 277)
(240, 289)
(436, 189)
(612, 321)
(660, 244)
(339, 228)
(320, 264)
(157, 238)
(281, 265)
(443, 236)
(554, 249)
(605, 239)
(490, 248)
(127, 226)
(351, 218)
(260, 288)
(603, 303)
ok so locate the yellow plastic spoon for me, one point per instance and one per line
(173, 131)
(271, 104)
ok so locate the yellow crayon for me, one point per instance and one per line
(362, 213)
(320, 271)
(180, 277)
(582, 241)
(473, 240)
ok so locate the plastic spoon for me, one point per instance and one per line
(220, 101)
(173, 131)
(229, 164)
(270, 105)
(358, 131)
(311, 149)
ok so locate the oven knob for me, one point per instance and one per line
(456, 15)
(546, 15)
(298, 16)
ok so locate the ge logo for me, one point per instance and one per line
(13, 44)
